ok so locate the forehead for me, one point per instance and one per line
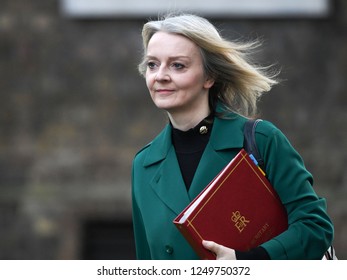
(173, 44)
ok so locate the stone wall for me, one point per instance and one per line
(74, 111)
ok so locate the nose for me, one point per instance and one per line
(162, 74)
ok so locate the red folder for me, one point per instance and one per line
(238, 209)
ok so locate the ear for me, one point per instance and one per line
(209, 82)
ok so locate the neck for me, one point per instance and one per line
(186, 121)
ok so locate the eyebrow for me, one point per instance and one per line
(170, 57)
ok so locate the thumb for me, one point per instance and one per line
(212, 246)
(221, 252)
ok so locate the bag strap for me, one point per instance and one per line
(250, 144)
(330, 254)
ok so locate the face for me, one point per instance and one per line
(175, 75)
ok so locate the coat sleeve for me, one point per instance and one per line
(310, 230)
(142, 248)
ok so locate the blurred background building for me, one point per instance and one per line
(74, 111)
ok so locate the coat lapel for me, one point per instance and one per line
(225, 141)
(210, 165)
(167, 182)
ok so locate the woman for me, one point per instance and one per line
(209, 90)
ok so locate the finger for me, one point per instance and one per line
(210, 245)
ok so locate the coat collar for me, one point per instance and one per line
(168, 183)
(226, 134)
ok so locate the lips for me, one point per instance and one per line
(164, 91)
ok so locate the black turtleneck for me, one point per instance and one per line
(189, 146)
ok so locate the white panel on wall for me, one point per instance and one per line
(215, 8)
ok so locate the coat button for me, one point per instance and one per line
(168, 249)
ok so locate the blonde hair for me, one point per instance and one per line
(238, 84)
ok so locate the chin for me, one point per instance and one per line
(165, 105)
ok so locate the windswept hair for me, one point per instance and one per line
(238, 83)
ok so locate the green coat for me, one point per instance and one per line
(159, 193)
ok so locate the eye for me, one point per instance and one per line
(178, 65)
(151, 64)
